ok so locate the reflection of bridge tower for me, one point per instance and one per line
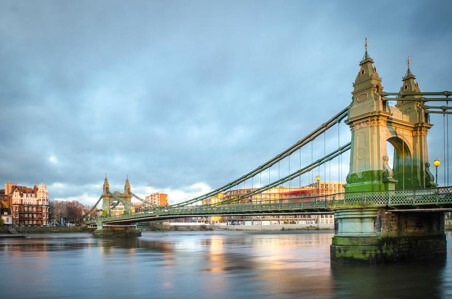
(374, 123)
(111, 200)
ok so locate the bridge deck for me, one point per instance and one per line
(425, 199)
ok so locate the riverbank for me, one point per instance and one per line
(46, 229)
(157, 227)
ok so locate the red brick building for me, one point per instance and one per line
(29, 206)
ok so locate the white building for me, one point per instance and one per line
(29, 206)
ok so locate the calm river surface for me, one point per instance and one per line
(206, 265)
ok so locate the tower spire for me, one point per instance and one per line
(366, 57)
(409, 81)
(106, 186)
(408, 74)
(127, 187)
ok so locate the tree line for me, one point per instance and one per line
(66, 212)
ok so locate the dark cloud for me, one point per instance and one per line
(175, 93)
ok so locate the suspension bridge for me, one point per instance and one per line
(392, 207)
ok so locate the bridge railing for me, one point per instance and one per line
(419, 197)
(414, 197)
(385, 198)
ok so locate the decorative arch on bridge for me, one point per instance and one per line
(402, 162)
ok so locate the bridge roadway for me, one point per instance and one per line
(433, 199)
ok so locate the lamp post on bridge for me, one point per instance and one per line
(436, 163)
(317, 178)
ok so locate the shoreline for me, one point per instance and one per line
(23, 231)
(45, 230)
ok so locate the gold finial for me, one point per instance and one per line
(408, 74)
(366, 57)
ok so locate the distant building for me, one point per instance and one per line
(158, 199)
(278, 193)
(217, 198)
(118, 210)
(138, 206)
(28, 206)
(7, 218)
(327, 188)
(5, 203)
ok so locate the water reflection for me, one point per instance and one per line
(420, 279)
(206, 265)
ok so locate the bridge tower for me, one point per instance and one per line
(106, 199)
(373, 123)
(383, 235)
(127, 196)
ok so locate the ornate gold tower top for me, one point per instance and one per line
(127, 187)
(366, 88)
(366, 57)
(106, 184)
(409, 84)
(408, 74)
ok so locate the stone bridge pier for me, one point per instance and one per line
(384, 235)
(116, 230)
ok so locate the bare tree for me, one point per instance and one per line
(63, 212)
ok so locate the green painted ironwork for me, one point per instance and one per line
(432, 197)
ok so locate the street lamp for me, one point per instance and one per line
(436, 163)
(317, 178)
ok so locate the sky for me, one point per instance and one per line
(185, 96)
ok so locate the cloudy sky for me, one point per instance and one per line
(184, 96)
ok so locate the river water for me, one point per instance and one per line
(206, 265)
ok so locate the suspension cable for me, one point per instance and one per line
(92, 209)
(125, 203)
(300, 167)
(115, 204)
(338, 158)
(324, 153)
(312, 159)
(311, 136)
(289, 170)
(301, 171)
(447, 147)
(142, 200)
